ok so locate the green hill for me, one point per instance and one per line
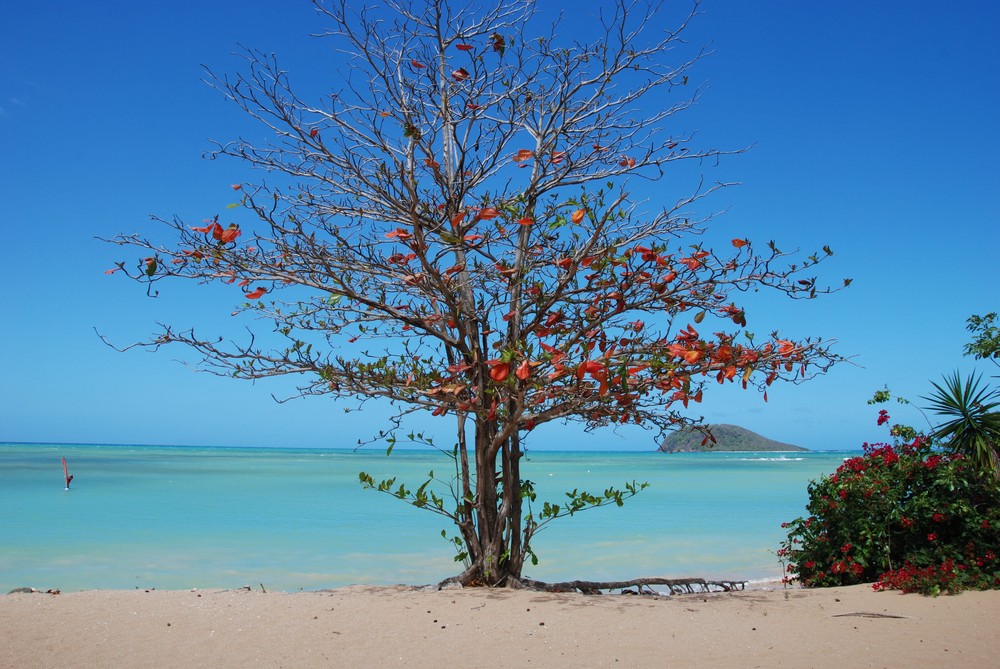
(728, 438)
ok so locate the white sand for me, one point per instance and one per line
(383, 627)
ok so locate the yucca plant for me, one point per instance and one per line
(972, 425)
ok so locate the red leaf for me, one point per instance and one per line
(417, 64)
(627, 162)
(236, 186)
(464, 47)
(498, 369)
(257, 294)
(523, 155)
(523, 370)
(563, 263)
(431, 163)
(487, 214)
(313, 132)
(525, 221)
(112, 271)
(557, 157)
(229, 235)
(461, 74)
(785, 347)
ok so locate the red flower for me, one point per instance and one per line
(883, 417)
(932, 536)
(938, 517)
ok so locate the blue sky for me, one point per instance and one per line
(874, 128)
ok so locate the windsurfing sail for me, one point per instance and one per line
(66, 473)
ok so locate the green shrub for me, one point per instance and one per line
(908, 516)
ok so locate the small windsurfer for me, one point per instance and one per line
(69, 477)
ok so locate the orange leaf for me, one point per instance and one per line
(578, 215)
(112, 271)
(487, 214)
(523, 154)
(431, 163)
(525, 221)
(257, 294)
(740, 243)
(627, 162)
(563, 263)
(692, 356)
(523, 370)
(236, 186)
(457, 219)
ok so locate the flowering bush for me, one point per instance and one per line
(908, 516)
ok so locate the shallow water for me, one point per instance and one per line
(182, 517)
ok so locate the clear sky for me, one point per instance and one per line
(874, 128)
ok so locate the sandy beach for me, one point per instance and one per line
(399, 626)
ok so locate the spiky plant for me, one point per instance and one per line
(972, 419)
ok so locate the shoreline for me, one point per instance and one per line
(405, 626)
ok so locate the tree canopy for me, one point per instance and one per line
(449, 228)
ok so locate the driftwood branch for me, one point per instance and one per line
(675, 586)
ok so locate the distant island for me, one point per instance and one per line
(728, 438)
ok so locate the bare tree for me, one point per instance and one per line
(452, 233)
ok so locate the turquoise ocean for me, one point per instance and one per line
(291, 519)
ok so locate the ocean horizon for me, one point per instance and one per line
(287, 519)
